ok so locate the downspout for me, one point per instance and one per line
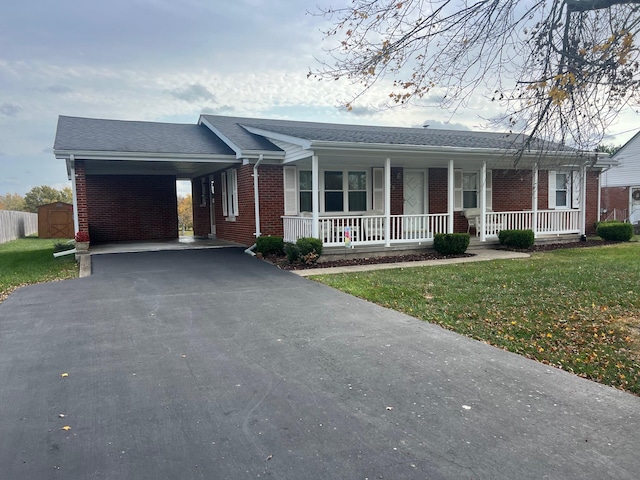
(72, 163)
(256, 201)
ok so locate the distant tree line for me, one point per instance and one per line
(35, 197)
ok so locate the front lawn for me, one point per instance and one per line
(576, 309)
(30, 260)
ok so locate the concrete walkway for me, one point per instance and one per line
(210, 364)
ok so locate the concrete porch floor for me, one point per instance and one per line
(181, 243)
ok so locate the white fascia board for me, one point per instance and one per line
(301, 142)
(221, 136)
(442, 151)
(144, 156)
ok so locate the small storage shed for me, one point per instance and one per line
(55, 220)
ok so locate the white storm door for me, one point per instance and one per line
(415, 200)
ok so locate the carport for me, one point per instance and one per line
(124, 175)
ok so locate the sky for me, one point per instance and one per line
(170, 61)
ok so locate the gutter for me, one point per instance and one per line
(256, 195)
(256, 201)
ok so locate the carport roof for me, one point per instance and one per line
(101, 135)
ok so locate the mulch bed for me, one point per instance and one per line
(281, 261)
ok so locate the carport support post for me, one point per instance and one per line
(315, 188)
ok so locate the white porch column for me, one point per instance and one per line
(451, 198)
(72, 164)
(483, 202)
(583, 198)
(534, 201)
(387, 202)
(315, 196)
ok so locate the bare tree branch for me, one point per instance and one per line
(560, 69)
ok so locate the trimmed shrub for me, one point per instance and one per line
(451, 243)
(516, 238)
(310, 249)
(615, 231)
(292, 252)
(270, 245)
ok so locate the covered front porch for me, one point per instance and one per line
(465, 193)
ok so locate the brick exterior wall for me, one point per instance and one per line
(131, 207)
(615, 197)
(512, 191)
(201, 211)
(593, 215)
(271, 183)
(397, 190)
(438, 186)
(242, 230)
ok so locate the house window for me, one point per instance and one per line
(305, 184)
(561, 190)
(469, 190)
(333, 192)
(229, 187)
(357, 191)
(345, 188)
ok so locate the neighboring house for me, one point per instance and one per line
(376, 186)
(621, 185)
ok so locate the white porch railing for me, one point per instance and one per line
(369, 229)
(548, 222)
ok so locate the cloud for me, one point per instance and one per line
(9, 110)
(58, 89)
(194, 93)
(363, 111)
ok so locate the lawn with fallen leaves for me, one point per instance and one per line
(575, 309)
(30, 260)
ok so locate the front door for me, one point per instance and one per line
(415, 202)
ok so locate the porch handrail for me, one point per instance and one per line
(369, 229)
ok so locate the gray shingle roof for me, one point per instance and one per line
(362, 134)
(99, 135)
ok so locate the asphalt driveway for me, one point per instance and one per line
(211, 364)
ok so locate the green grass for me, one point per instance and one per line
(30, 260)
(576, 309)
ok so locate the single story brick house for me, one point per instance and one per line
(621, 185)
(362, 185)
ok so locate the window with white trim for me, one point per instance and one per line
(229, 190)
(345, 191)
(305, 185)
(469, 190)
(564, 189)
(561, 190)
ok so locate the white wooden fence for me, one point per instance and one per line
(14, 225)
